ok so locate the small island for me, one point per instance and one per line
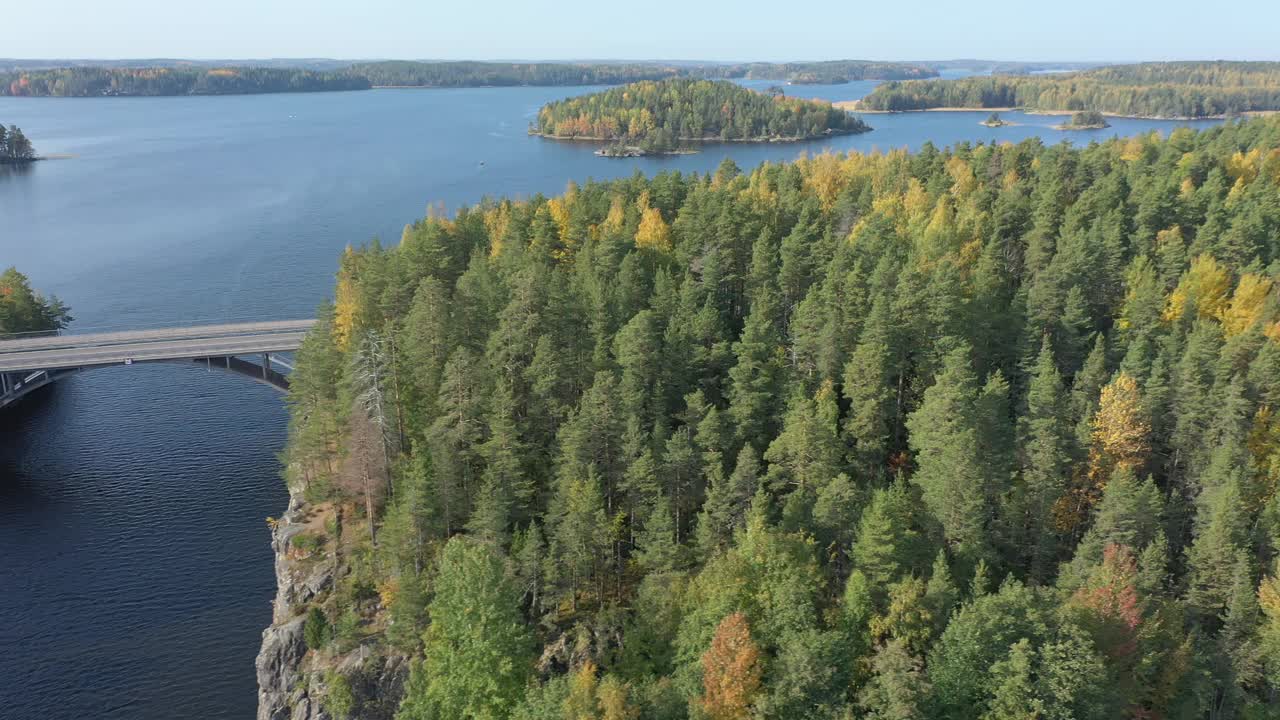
(676, 115)
(15, 148)
(1085, 120)
(994, 121)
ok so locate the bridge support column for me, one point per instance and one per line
(266, 366)
(4, 383)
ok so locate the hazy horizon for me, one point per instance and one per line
(718, 31)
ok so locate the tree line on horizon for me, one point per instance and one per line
(980, 433)
(158, 81)
(660, 115)
(1166, 90)
(87, 80)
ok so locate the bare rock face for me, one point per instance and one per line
(280, 660)
(279, 664)
(292, 680)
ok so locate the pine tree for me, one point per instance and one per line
(887, 544)
(805, 455)
(867, 383)
(577, 542)
(1044, 439)
(725, 509)
(950, 471)
(505, 477)
(754, 381)
(456, 437)
(1221, 539)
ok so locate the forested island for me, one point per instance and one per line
(23, 310)
(153, 81)
(1158, 90)
(15, 148)
(994, 121)
(1085, 120)
(664, 116)
(979, 433)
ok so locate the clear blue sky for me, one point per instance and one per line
(674, 29)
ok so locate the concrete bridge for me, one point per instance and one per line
(28, 364)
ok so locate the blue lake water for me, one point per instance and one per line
(135, 572)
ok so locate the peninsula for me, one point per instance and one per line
(618, 513)
(670, 115)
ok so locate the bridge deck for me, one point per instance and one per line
(135, 336)
(83, 351)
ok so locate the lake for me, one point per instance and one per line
(134, 555)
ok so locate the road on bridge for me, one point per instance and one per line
(63, 352)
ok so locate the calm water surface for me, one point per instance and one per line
(135, 575)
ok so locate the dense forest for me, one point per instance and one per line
(14, 146)
(23, 310)
(1170, 90)
(98, 81)
(658, 116)
(980, 433)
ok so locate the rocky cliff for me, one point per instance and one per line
(296, 683)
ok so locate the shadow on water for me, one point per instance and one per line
(8, 170)
(17, 486)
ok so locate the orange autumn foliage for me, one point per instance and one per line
(731, 671)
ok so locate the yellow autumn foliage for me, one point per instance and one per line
(653, 233)
(345, 303)
(962, 175)
(1244, 166)
(617, 215)
(1120, 439)
(496, 221)
(825, 176)
(1248, 304)
(1010, 180)
(559, 209)
(1121, 431)
(1133, 149)
(1205, 284)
